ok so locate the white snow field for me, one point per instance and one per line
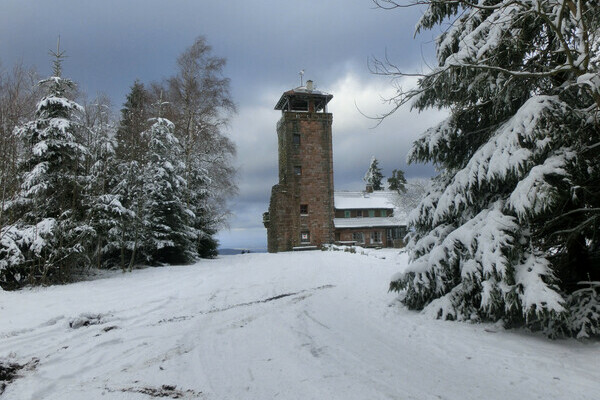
(304, 325)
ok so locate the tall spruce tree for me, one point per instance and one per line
(48, 240)
(373, 176)
(105, 211)
(510, 229)
(169, 237)
(131, 152)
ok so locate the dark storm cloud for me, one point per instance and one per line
(110, 43)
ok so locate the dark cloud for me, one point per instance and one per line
(113, 42)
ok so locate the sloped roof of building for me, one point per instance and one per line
(371, 222)
(364, 200)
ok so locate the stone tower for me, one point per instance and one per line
(301, 209)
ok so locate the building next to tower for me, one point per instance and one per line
(302, 211)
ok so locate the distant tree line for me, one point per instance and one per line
(80, 188)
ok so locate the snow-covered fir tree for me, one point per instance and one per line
(127, 183)
(373, 176)
(104, 208)
(169, 237)
(510, 229)
(47, 241)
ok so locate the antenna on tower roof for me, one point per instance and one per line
(301, 76)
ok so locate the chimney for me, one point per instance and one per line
(369, 188)
(309, 85)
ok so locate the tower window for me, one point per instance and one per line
(296, 138)
(297, 170)
(305, 237)
(303, 209)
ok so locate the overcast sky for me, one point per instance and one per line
(110, 43)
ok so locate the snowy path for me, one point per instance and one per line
(313, 325)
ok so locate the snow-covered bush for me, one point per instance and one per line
(584, 320)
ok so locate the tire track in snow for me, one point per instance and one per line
(246, 304)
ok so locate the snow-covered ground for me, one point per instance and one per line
(309, 325)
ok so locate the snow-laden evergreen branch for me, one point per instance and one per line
(511, 220)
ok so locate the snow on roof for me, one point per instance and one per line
(301, 93)
(371, 222)
(304, 89)
(363, 200)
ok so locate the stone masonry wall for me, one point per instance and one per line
(312, 187)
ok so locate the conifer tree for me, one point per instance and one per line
(48, 239)
(131, 153)
(169, 238)
(374, 176)
(509, 230)
(104, 207)
(397, 182)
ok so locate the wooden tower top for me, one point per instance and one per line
(304, 99)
